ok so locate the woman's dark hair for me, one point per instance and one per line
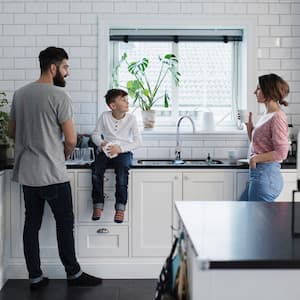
(112, 94)
(274, 88)
(51, 55)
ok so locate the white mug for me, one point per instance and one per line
(243, 115)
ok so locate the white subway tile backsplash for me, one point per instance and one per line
(27, 27)
(35, 7)
(13, 29)
(69, 18)
(58, 7)
(167, 7)
(47, 18)
(78, 7)
(58, 29)
(20, 41)
(268, 19)
(258, 8)
(235, 8)
(103, 7)
(145, 7)
(14, 74)
(7, 18)
(191, 8)
(280, 8)
(36, 30)
(13, 7)
(158, 152)
(125, 7)
(213, 8)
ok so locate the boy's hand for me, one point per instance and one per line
(114, 149)
(102, 145)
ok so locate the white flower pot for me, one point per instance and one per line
(148, 118)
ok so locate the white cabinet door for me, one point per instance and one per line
(289, 184)
(208, 186)
(153, 196)
(47, 234)
(242, 178)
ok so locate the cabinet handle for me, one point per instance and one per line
(102, 230)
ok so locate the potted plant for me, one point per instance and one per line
(4, 142)
(139, 88)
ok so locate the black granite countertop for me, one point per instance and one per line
(242, 235)
(287, 164)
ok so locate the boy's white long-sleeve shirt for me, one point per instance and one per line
(124, 132)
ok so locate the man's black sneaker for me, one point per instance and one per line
(40, 284)
(85, 280)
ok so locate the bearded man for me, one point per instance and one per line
(41, 123)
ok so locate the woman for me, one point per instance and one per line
(269, 141)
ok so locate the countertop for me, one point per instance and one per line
(241, 235)
(287, 164)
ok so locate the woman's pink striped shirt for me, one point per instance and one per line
(272, 136)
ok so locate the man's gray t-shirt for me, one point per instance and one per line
(39, 109)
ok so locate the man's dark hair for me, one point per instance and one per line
(51, 55)
(112, 94)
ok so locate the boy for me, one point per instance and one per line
(115, 135)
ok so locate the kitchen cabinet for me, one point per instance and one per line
(153, 196)
(208, 185)
(103, 238)
(289, 179)
(47, 235)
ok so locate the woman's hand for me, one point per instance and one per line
(252, 162)
(249, 126)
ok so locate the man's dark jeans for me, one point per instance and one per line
(59, 198)
(121, 164)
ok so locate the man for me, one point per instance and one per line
(41, 115)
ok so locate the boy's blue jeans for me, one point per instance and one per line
(121, 165)
(59, 198)
(265, 183)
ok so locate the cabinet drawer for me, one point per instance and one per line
(103, 241)
(84, 179)
(85, 207)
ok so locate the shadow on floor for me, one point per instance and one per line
(111, 289)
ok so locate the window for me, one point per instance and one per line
(209, 63)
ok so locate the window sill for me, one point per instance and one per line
(186, 130)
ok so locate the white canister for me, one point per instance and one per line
(207, 121)
(232, 156)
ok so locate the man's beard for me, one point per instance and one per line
(59, 80)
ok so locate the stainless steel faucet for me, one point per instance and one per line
(178, 147)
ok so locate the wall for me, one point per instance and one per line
(26, 27)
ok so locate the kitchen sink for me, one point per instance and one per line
(172, 162)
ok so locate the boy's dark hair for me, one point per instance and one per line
(51, 55)
(112, 94)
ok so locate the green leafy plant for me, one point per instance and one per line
(4, 117)
(144, 95)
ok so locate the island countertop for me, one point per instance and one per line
(241, 235)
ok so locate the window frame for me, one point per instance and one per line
(247, 59)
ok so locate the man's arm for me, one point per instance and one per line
(12, 129)
(70, 137)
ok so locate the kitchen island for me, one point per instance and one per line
(240, 250)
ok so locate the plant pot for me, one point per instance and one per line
(3, 152)
(148, 118)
